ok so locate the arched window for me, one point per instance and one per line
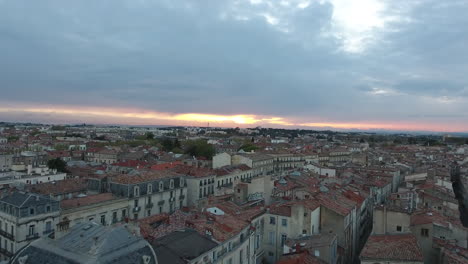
(161, 186)
(171, 184)
(136, 191)
(150, 188)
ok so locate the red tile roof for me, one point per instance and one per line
(402, 247)
(131, 164)
(300, 258)
(166, 165)
(88, 200)
(193, 171)
(60, 187)
(144, 177)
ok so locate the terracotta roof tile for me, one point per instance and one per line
(402, 247)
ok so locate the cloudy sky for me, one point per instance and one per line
(359, 64)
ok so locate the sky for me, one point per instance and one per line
(326, 64)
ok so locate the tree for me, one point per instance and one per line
(248, 147)
(149, 136)
(12, 138)
(199, 148)
(57, 164)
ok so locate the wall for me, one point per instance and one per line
(220, 160)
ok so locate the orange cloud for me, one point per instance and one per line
(106, 115)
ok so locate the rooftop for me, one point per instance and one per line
(179, 246)
(402, 247)
(24, 199)
(88, 243)
(87, 200)
(144, 177)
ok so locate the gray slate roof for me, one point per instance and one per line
(88, 243)
(23, 200)
(180, 245)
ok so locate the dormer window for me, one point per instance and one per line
(161, 186)
(150, 188)
(31, 211)
(182, 182)
(171, 184)
(136, 191)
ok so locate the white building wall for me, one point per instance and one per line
(220, 160)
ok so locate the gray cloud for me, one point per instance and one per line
(225, 57)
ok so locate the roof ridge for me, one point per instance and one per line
(29, 196)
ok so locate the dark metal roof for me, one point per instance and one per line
(180, 245)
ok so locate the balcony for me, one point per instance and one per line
(32, 236)
(7, 235)
(161, 202)
(172, 199)
(181, 197)
(136, 209)
(149, 205)
(6, 252)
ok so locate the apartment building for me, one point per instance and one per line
(260, 163)
(289, 220)
(150, 193)
(25, 217)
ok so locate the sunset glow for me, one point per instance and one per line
(144, 117)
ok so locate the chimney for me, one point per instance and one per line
(297, 247)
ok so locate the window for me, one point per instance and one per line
(271, 238)
(229, 261)
(241, 257)
(284, 222)
(31, 230)
(48, 208)
(316, 253)
(182, 182)
(135, 216)
(124, 213)
(103, 219)
(31, 211)
(136, 191)
(12, 230)
(171, 184)
(271, 254)
(272, 220)
(160, 209)
(136, 202)
(283, 239)
(114, 217)
(161, 186)
(148, 213)
(150, 188)
(424, 232)
(398, 228)
(305, 214)
(48, 226)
